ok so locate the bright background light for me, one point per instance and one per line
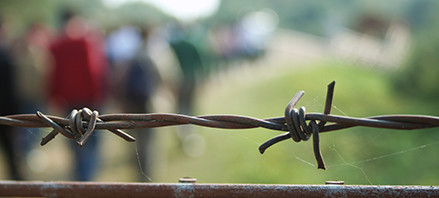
(184, 10)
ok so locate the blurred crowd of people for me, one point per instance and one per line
(82, 64)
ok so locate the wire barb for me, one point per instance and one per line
(298, 128)
(80, 124)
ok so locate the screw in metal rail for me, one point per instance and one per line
(187, 180)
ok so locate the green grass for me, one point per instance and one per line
(356, 156)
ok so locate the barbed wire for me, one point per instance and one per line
(299, 126)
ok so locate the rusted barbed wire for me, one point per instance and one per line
(79, 124)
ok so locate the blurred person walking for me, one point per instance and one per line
(138, 79)
(190, 63)
(31, 55)
(77, 80)
(142, 79)
(31, 60)
(8, 105)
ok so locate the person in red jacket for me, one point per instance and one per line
(77, 80)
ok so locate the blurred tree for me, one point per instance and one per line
(20, 13)
(420, 76)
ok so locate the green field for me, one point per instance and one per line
(357, 155)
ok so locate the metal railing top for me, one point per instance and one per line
(191, 189)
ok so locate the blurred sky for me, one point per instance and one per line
(185, 10)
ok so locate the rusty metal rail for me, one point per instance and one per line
(78, 125)
(99, 189)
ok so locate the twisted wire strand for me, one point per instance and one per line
(298, 125)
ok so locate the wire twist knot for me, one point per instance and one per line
(298, 129)
(75, 129)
